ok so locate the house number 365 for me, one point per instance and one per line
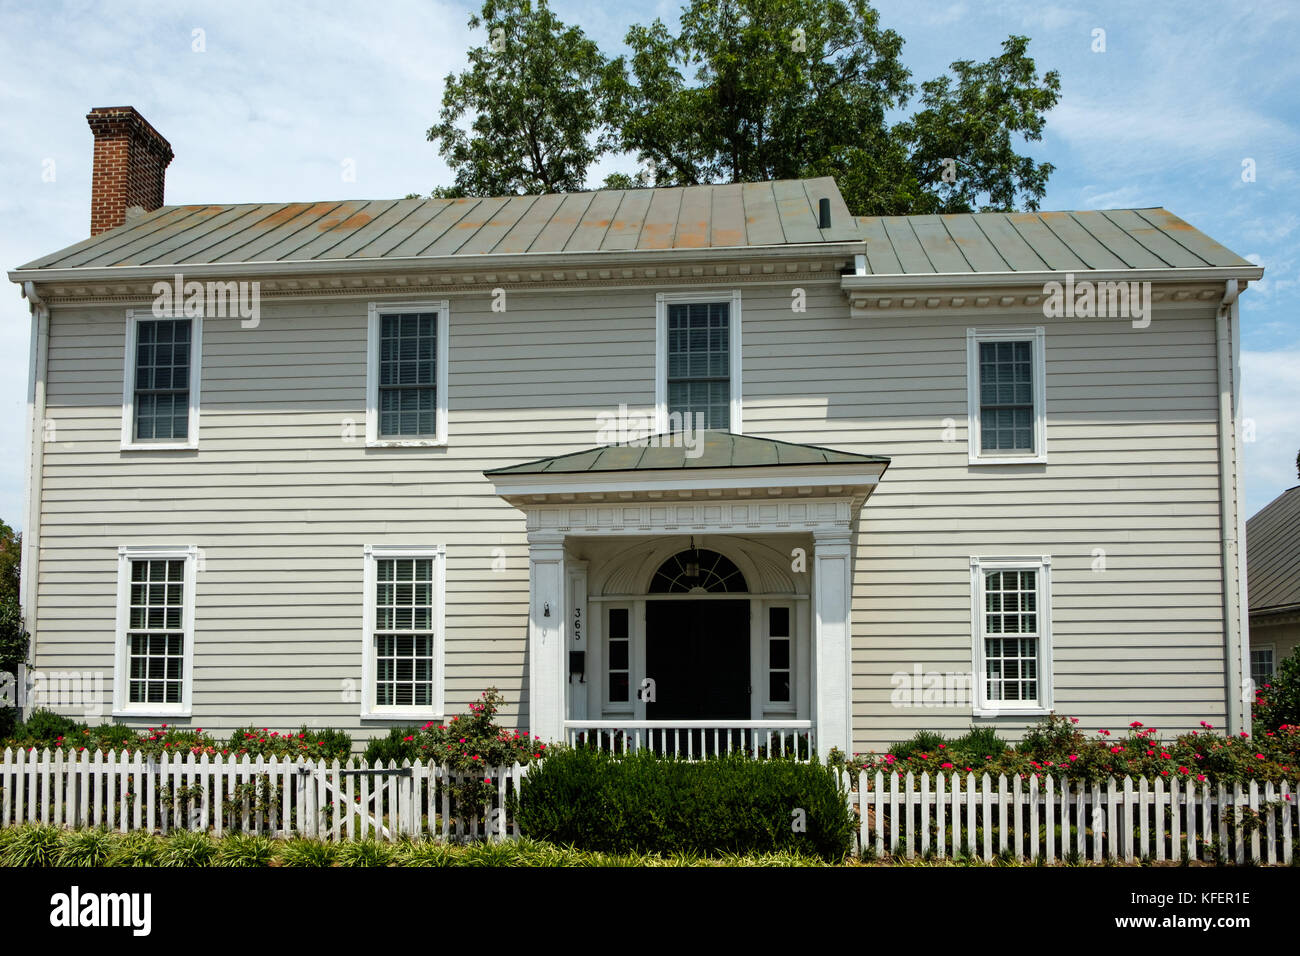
(577, 623)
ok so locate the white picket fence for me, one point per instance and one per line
(276, 797)
(950, 815)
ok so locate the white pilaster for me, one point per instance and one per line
(546, 635)
(832, 628)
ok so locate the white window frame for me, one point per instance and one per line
(982, 705)
(122, 706)
(628, 707)
(369, 709)
(374, 311)
(662, 301)
(779, 706)
(1272, 650)
(129, 442)
(1038, 337)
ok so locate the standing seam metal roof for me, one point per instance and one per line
(1273, 553)
(689, 217)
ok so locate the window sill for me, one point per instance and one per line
(406, 442)
(987, 710)
(159, 446)
(420, 715)
(135, 714)
(1011, 460)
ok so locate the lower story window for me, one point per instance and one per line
(404, 589)
(620, 657)
(778, 655)
(155, 630)
(1261, 665)
(1011, 611)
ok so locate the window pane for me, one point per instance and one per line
(1006, 389)
(404, 643)
(617, 622)
(408, 349)
(779, 654)
(778, 622)
(699, 364)
(162, 379)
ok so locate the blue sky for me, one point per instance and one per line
(284, 94)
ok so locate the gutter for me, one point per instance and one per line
(1236, 633)
(30, 557)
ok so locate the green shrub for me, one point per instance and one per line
(88, 848)
(366, 853)
(183, 848)
(138, 848)
(639, 802)
(312, 743)
(8, 721)
(32, 846)
(245, 850)
(308, 853)
(399, 745)
(979, 742)
(46, 725)
(922, 742)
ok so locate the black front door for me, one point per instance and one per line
(697, 654)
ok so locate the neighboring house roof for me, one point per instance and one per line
(693, 217)
(1038, 242)
(718, 450)
(1273, 554)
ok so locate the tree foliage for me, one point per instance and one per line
(747, 91)
(534, 92)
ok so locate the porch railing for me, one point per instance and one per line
(698, 739)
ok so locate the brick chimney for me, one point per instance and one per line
(131, 159)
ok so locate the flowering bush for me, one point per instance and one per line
(1058, 747)
(465, 742)
(46, 730)
(1277, 703)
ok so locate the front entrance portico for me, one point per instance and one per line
(784, 516)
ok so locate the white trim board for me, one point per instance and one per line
(129, 442)
(662, 301)
(374, 310)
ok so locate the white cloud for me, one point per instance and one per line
(1270, 400)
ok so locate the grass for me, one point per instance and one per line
(42, 846)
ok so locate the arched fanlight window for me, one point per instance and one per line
(697, 571)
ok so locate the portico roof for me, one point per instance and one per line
(713, 465)
(714, 450)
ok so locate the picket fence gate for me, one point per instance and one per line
(950, 815)
(276, 797)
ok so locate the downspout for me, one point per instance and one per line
(1232, 561)
(30, 557)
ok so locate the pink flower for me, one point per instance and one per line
(1073, 757)
(1136, 723)
(1074, 720)
(1200, 777)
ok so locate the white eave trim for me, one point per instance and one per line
(929, 280)
(463, 263)
(846, 476)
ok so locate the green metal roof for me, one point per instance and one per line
(1112, 239)
(719, 450)
(691, 217)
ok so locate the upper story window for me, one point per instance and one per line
(697, 364)
(1011, 634)
(1006, 396)
(160, 397)
(155, 630)
(406, 394)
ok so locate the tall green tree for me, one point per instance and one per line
(13, 636)
(533, 96)
(749, 90)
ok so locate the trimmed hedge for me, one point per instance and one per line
(642, 803)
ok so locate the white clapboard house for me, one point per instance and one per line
(723, 460)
